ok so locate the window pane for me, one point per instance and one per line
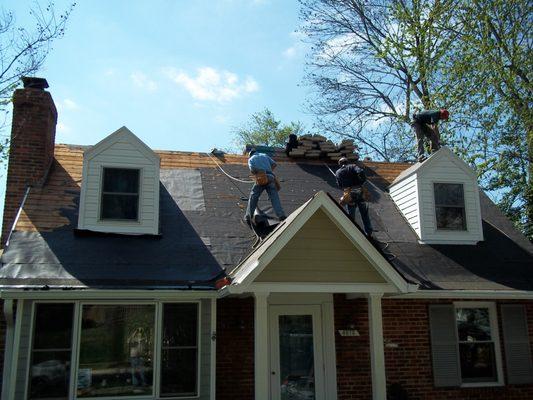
(297, 361)
(449, 194)
(53, 326)
(116, 350)
(121, 180)
(49, 374)
(477, 362)
(180, 324)
(117, 206)
(473, 324)
(51, 352)
(450, 218)
(179, 349)
(178, 372)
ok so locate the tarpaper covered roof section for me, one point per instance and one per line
(202, 234)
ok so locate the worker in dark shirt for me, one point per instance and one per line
(425, 126)
(350, 178)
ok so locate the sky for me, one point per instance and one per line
(179, 74)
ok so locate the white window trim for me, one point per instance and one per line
(493, 317)
(76, 336)
(438, 230)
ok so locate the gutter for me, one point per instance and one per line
(466, 294)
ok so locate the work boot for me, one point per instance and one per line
(421, 158)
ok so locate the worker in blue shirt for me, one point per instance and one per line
(261, 167)
(350, 178)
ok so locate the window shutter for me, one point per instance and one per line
(516, 342)
(446, 370)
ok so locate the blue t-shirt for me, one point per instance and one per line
(261, 162)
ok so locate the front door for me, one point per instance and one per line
(296, 359)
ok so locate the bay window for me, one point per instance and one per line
(149, 349)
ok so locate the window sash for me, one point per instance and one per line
(158, 346)
(494, 342)
(114, 194)
(441, 221)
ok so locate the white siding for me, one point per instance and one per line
(414, 197)
(447, 174)
(405, 196)
(121, 149)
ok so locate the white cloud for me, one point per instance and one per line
(70, 104)
(289, 52)
(62, 128)
(142, 81)
(221, 119)
(339, 45)
(211, 84)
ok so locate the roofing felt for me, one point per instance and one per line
(202, 233)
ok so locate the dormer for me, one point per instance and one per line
(439, 198)
(120, 186)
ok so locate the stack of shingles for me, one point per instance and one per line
(317, 146)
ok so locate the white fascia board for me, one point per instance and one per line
(249, 272)
(466, 294)
(106, 294)
(465, 242)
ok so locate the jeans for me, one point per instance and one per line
(363, 210)
(424, 130)
(272, 194)
(137, 371)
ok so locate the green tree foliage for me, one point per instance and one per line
(23, 51)
(489, 72)
(264, 129)
(374, 62)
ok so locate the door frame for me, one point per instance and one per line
(318, 346)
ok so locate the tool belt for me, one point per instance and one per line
(260, 178)
(352, 196)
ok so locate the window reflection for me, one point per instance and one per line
(116, 350)
(296, 357)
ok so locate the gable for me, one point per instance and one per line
(315, 233)
(320, 252)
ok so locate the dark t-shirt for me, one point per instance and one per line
(350, 175)
(427, 117)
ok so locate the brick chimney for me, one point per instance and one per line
(32, 144)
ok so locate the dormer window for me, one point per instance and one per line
(439, 199)
(450, 206)
(120, 194)
(120, 186)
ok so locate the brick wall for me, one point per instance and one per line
(32, 147)
(353, 353)
(406, 323)
(235, 349)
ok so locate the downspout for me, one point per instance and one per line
(8, 348)
(18, 215)
(213, 348)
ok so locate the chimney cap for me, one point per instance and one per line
(34, 83)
